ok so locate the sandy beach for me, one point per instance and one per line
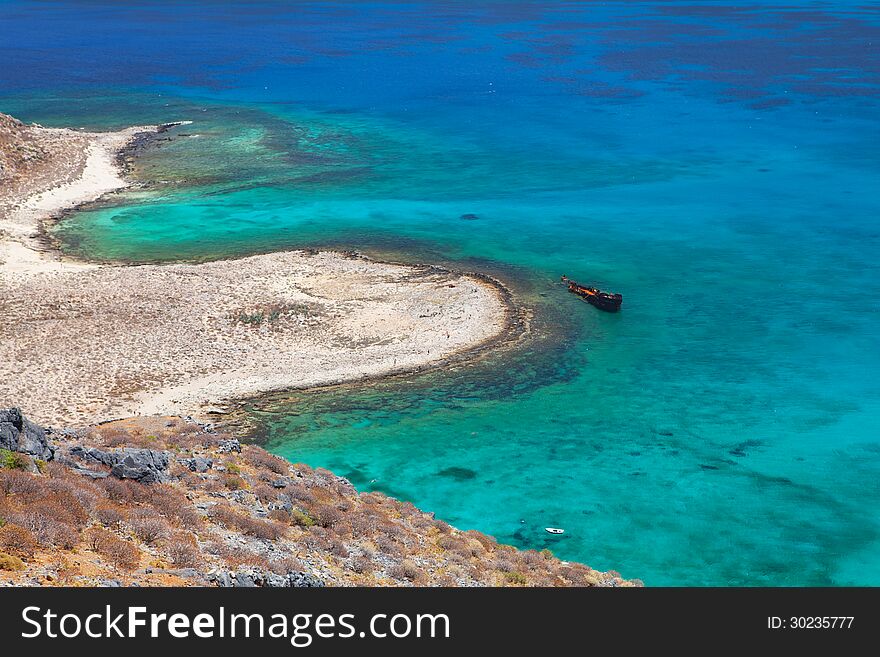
(83, 343)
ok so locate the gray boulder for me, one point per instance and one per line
(303, 580)
(18, 434)
(228, 446)
(197, 464)
(144, 465)
(257, 578)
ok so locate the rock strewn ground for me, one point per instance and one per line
(231, 515)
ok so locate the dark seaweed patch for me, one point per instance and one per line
(459, 474)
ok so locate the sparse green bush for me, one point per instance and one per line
(516, 578)
(13, 460)
(10, 562)
(302, 518)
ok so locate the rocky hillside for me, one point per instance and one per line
(167, 501)
(36, 158)
(17, 149)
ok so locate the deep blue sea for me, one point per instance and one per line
(716, 163)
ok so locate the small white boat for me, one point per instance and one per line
(554, 530)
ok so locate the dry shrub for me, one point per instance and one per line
(23, 485)
(300, 493)
(459, 559)
(450, 543)
(317, 540)
(324, 475)
(408, 509)
(190, 428)
(36, 523)
(407, 570)
(361, 524)
(183, 550)
(233, 482)
(64, 506)
(504, 565)
(119, 552)
(456, 573)
(263, 460)
(187, 478)
(471, 548)
(265, 493)
(189, 436)
(235, 557)
(110, 515)
(216, 547)
(110, 437)
(394, 532)
(285, 565)
(327, 515)
(18, 541)
(10, 562)
(280, 515)
(175, 507)
(263, 529)
(343, 529)
(232, 519)
(442, 527)
(531, 558)
(373, 498)
(387, 546)
(148, 526)
(47, 530)
(445, 580)
(423, 522)
(338, 549)
(362, 565)
(126, 491)
(488, 542)
(65, 536)
(212, 486)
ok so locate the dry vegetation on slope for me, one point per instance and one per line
(232, 517)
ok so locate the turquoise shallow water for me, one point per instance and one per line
(715, 165)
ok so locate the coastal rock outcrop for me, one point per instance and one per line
(146, 466)
(18, 434)
(197, 464)
(255, 577)
(229, 445)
